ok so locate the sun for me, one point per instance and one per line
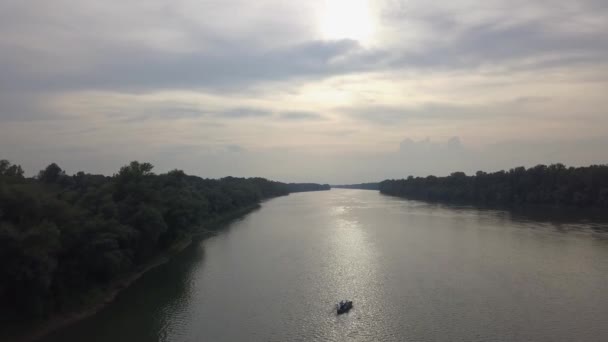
(347, 19)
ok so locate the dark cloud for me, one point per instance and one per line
(560, 36)
(229, 63)
(230, 66)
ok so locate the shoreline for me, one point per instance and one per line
(503, 206)
(58, 321)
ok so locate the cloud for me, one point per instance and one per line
(231, 67)
(16, 106)
(389, 115)
(441, 112)
(215, 90)
(235, 148)
(241, 113)
(301, 116)
(537, 34)
(138, 49)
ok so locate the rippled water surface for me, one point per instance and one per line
(415, 271)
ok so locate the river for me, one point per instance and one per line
(415, 271)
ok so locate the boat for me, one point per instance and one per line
(344, 306)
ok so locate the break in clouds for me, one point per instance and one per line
(328, 91)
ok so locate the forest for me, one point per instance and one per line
(554, 185)
(64, 236)
(302, 187)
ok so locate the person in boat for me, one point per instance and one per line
(344, 304)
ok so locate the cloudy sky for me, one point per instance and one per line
(332, 91)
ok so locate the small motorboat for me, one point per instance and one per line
(344, 306)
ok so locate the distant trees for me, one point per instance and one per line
(303, 187)
(362, 186)
(51, 174)
(554, 185)
(62, 235)
(8, 170)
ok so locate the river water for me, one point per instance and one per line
(415, 271)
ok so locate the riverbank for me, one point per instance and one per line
(537, 211)
(101, 297)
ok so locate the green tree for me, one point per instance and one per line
(51, 174)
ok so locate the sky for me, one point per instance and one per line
(330, 91)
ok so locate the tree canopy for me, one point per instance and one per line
(555, 185)
(63, 235)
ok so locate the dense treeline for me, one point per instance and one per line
(362, 186)
(303, 187)
(63, 236)
(554, 185)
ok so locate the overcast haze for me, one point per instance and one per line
(327, 91)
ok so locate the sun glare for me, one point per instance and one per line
(347, 19)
